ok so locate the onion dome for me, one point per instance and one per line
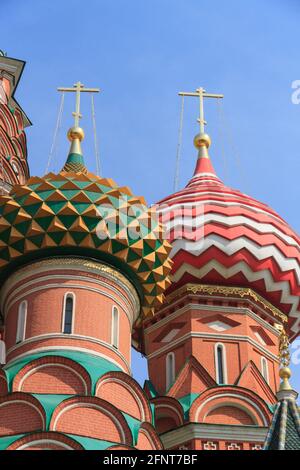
(78, 213)
(222, 236)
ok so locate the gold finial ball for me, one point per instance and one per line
(285, 373)
(202, 140)
(75, 133)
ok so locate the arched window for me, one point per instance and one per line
(2, 352)
(21, 326)
(220, 362)
(170, 369)
(68, 314)
(115, 327)
(264, 369)
(15, 168)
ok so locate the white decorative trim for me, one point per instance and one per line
(166, 207)
(200, 175)
(45, 441)
(234, 446)
(70, 286)
(41, 267)
(73, 297)
(53, 364)
(127, 370)
(251, 276)
(12, 402)
(213, 308)
(210, 445)
(232, 220)
(170, 336)
(224, 361)
(232, 395)
(76, 337)
(213, 336)
(93, 406)
(214, 432)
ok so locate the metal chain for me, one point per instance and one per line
(98, 166)
(231, 142)
(178, 151)
(221, 140)
(56, 132)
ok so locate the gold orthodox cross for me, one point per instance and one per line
(201, 94)
(78, 88)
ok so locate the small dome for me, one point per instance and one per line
(222, 236)
(67, 213)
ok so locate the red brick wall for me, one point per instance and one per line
(238, 352)
(53, 379)
(88, 422)
(3, 385)
(165, 424)
(17, 418)
(122, 398)
(144, 442)
(92, 310)
(228, 415)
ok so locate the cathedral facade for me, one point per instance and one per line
(205, 285)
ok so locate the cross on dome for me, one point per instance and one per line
(202, 140)
(201, 94)
(76, 134)
(78, 88)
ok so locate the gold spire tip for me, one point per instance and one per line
(75, 133)
(202, 140)
(285, 372)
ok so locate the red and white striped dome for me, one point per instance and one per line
(222, 236)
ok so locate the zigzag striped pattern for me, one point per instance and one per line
(222, 236)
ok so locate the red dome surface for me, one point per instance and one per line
(222, 236)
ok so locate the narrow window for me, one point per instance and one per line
(115, 327)
(15, 168)
(21, 326)
(68, 314)
(170, 370)
(220, 361)
(264, 369)
(2, 352)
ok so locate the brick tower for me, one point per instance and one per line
(75, 280)
(212, 347)
(13, 120)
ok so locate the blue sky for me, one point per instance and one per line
(141, 53)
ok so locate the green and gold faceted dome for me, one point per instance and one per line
(79, 213)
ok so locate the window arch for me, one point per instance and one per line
(170, 369)
(21, 325)
(264, 369)
(115, 327)
(220, 363)
(68, 314)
